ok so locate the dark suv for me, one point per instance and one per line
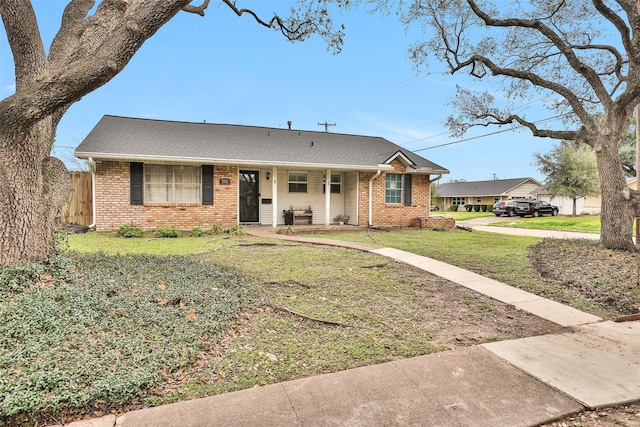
(505, 207)
(535, 208)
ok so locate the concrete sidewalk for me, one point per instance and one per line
(522, 382)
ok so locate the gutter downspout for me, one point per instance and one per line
(92, 168)
(371, 196)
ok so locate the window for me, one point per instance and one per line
(172, 184)
(457, 200)
(297, 182)
(393, 188)
(478, 199)
(336, 183)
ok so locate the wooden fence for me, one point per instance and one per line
(78, 210)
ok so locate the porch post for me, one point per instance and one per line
(327, 198)
(274, 197)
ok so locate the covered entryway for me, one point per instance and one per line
(249, 195)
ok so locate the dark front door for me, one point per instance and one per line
(249, 196)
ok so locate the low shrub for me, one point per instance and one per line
(130, 230)
(167, 232)
(216, 229)
(237, 229)
(197, 232)
(453, 208)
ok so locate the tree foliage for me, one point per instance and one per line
(96, 41)
(570, 171)
(579, 60)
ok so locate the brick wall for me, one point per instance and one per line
(385, 214)
(113, 208)
(433, 222)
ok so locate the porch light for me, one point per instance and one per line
(268, 175)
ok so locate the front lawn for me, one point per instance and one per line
(583, 223)
(94, 333)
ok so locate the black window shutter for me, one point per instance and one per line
(407, 190)
(137, 183)
(207, 184)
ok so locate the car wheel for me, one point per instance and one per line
(554, 212)
(510, 213)
(536, 214)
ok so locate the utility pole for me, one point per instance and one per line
(326, 125)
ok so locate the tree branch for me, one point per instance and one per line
(535, 79)
(67, 38)
(590, 75)
(198, 10)
(24, 39)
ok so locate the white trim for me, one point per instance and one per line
(400, 154)
(235, 162)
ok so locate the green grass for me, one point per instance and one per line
(584, 223)
(461, 216)
(111, 243)
(497, 256)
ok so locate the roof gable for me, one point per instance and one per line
(124, 138)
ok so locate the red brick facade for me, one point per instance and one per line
(113, 207)
(385, 214)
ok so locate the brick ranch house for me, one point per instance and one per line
(156, 174)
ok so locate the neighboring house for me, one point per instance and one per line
(485, 192)
(564, 203)
(593, 204)
(176, 174)
(584, 205)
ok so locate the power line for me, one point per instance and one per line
(487, 134)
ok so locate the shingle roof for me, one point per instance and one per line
(119, 138)
(481, 188)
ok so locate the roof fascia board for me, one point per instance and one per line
(129, 158)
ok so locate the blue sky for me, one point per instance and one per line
(225, 69)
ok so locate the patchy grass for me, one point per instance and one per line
(506, 259)
(584, 223)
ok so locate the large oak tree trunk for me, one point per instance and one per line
(617, 210)
(33, 189)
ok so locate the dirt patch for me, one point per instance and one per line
(608, 279)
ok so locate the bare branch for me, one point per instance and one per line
(621, 26)
(580, 67)
(535, 79)
(199, 10)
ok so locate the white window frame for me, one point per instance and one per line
(170, 186)
(298, 182)
(398, 193)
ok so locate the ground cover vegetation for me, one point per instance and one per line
(91, 333)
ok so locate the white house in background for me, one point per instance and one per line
(564, 203)
(584, 205)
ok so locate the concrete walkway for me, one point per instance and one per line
(522, 382)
